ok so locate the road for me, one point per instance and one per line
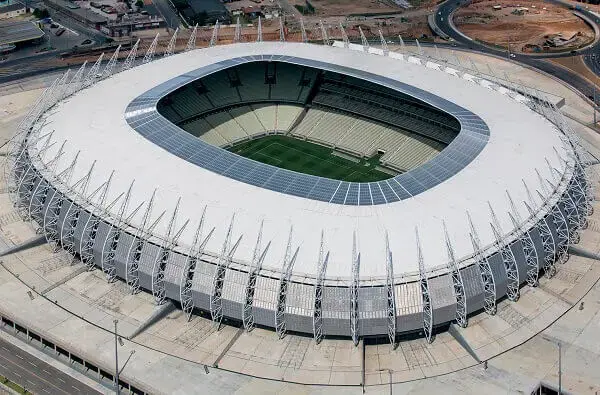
(77, 26)
(36, 375)
(168, 13)
(11, 70)
(442, 19)
(592, 61)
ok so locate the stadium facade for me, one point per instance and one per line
(106, 167)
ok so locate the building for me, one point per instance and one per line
(19, 33)
(130, 23)
(12, 9)
(214, 9)
(82, 15)
(465, 220)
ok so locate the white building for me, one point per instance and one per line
(12, 9)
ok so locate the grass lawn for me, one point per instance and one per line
(309, 158)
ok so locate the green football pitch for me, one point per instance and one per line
(309, 158)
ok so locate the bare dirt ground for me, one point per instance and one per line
(370, 15)
(577, 64)
(349, 7)
(527, 25)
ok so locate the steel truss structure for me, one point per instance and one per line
(579, 195)
(25, 181)
(71, 218)
(111, 242)
(192, 261)
(171, 47)
(130, 60)
(281, 31)
(94, 72)
(318, 307)
(237, 37)
(488, 282)
(61, 88)
(40, 194)
(572, 216)
(354, 290)
(543, 226)
(344, 36)
(191, 44)
(529, 250)
(108, 70)
(259, 37)
(284, 279)
(508, 259)
(54, 207)
(90, 229)
(215, 35)
(303, 30)
(257, 259)
(363, 39)
(137, 245)
(575, 205)
(458, 286)
(384, 45)
(149, 56)
(216, 305)
(324, 35)
(425, 295)
(158, 270)
(562, 232)
(390, 293)
(402, 45)
(419, 49)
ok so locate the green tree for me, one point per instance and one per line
(41, 13)
(139, 3)
(180, 4)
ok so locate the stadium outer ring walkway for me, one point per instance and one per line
(80, 205)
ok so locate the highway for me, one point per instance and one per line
(443, 20)
(443, 17)
(35, 375)
(592, 61)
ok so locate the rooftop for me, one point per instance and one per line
(83, 13)
(517, 146)
(13, 6)
(16, 32)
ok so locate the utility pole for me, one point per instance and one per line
(116, 359)
(559, 369)
(559, 344)
(594, 106)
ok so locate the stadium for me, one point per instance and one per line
(332, 191)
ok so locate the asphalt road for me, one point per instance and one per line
(581, 84)
(442, 19)
(77, 26)
(592, 61)
(168, 13)
(36, 375)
